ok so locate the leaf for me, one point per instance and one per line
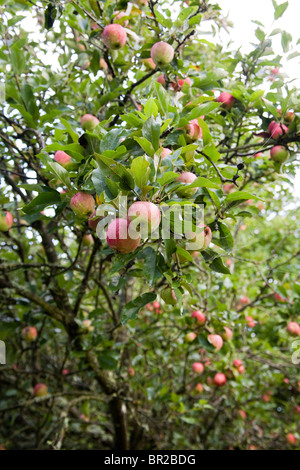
(146, 145)
(163, 98)
(60, 172)
(44, 199)
(201, 182)
(101, 185)
(68, 127)
(238, 196)
(29, 100)
(226, 238)
(151, 108)
(111, 140)
(50, 15)
(182, 252)
(17, 59)
(149, 265)
(286, 38)
(214, 261)
(151, 132)
(119, 170)
(280, 9)
(140, 168)
(167, 178)
(170, 246)
(132, 308)
(255, 95)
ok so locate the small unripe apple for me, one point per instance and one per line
(87, 240)
(103, 64)
(131, 371)
(200, 317)
(82, 204)
(88, 122)
(220, 379)
(161, 79)
(40, 390)
(187, 178)
(29, 333)
(216, 341)
(148, 214)
(189, 337)
(63, 158)
(165, 152)
(227, 335)
(275, 71)
(168, 296)
(119, 238)
(156, 304)
(198, 367)
(276, 129)
(289, 117)
(93, 221)
(293, 328)
(199, 388)
(279, 153)
(6, 222)
(114, 36)
(291, 439)
(149, 64)
(226, 99)
(162, 53)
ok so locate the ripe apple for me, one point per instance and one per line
(189, 337)
(147, 213)
(165, 152)
(93, 221)
(162, 53)
(87, 240)
(200, 317)
(245, 300)
(226, 99)
(29, 333)
(279, 153)
(119, 238)
(242, 414)
(114, 36)
(198, 367)
(276, 129)
(216, 341)
(293, 328)
(227, 335)
(88, 122)
(40, 390)
(258, 155)
(193, 131)
(63, 158)
(187, 178)
(220, 379)
(250, 322)
(65, 372)
(291, 439)
(237, 363)
(82, 204)
(6, 221)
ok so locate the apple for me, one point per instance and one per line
(119, 238)
(63, 158)
(114, 36)
(199, 388)
(241, 369)
(93, 221)
(162, 53)
(200, 317)
(275, 71)
(293, 328)
(245, 300)
(237, 363)
(202, 237)
(242, 414)
(226, 99)
(88, 122)
(40, 390)
(276, 129)
(180, 82)
(165, 152)
(6, 221)
(279, 153)
(187, 178)
(65, 372)
(131, 371)
(149, 64)
(168, 296)
(198, 367)
(87, 325)
(216, 341)
(289, 117)
(87, 240)
(29, 333)
(147, 213)
(279, 298)
(118, 17)
(250, 322)
(161, 79)
(258, 155)
(228, 188)
(189, 337)
(220, 379)
(103, 64)
(291, 439)
(82, 204)
(193, 131)
(227, 335)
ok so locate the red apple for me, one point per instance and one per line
(216, 341)
(114, 36)
(149, 64)
(198, 367)
(187, 178)
(226, 99)
(279, 153)
(40, 390)
(291, 439)
(227, 335)
(200, 317)
(148, 215)
(29, 333)
(165, 152)
(220, 379)
(189, 337)
(63, 158)
(119, 238)
(199, 388)
(87, 240)
(131, 371)
(162, 53)
(276, 129)
(88, 122)
(93, 221)
(161, 79)
(82, 204)
(6, 221)
(293, 328)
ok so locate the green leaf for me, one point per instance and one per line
(151, 108)
(151, 132)
(111, 140)
(226, 238)
(149, 265)
(214, 261)
(185, 254)
(44, 199)
(29, 100)
(17, 59)
(140, 168)
(255, 95)
(167, 178)
(201, 182)
(60, 172)
(146, 146)
(280, 9)
(170, 246)
(130, 310)
(239, 196)
(50, 15)
(68, 127)
(119, 170)
(286, 38)
(163, 98)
